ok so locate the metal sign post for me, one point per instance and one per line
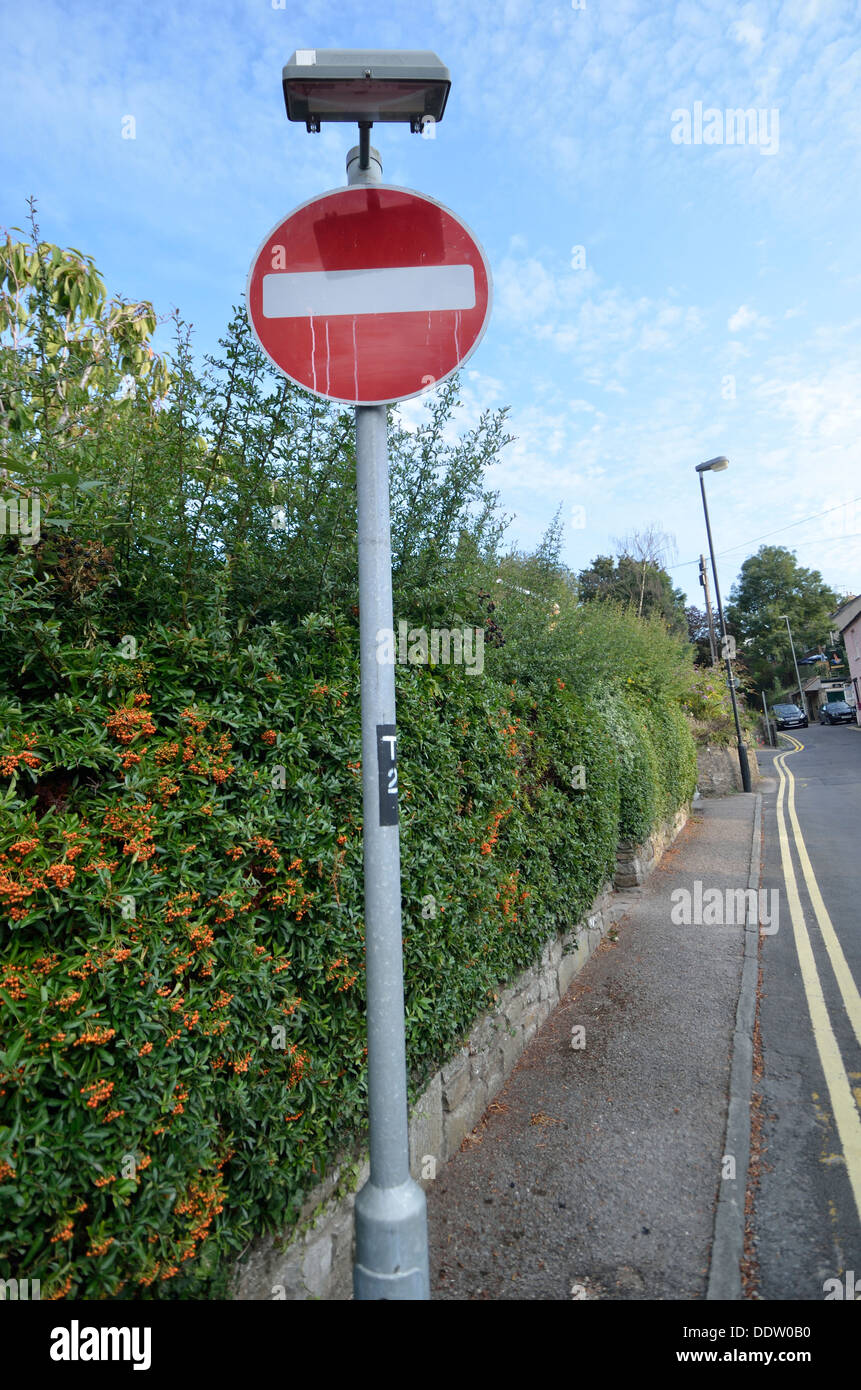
(368, 299)
(391, 1211)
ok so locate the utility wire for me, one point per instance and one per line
(741, 545)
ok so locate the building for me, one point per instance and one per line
(818, 691)
(847, 621)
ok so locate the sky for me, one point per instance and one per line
(671, 282)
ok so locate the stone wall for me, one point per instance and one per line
(718, 772)
(315, 1258)
(635, 862)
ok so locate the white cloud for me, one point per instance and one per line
(822, 405)
(745, 317)
(571, 312)
(478, 393)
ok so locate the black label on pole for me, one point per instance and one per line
(387, 764)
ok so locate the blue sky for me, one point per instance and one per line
(719, 307)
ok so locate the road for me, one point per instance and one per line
(807, 1208)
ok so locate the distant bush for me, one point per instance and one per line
(709, 707)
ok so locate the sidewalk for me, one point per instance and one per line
(600, 1167)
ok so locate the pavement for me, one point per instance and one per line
(596, 1171)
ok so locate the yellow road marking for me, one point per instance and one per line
(843, 975)
(839, 1091)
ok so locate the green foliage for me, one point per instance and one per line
(167, 909)
(708, 705)
(574, 853)
(698, 634)
(770, 584)
(182, 1031)
(638, 767)
(640, 584)
(675, 755)
(63, 349)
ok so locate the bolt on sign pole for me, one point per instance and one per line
(391, 1210)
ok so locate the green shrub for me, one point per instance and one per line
(638, 768)
(182, 1020)
(168, 912)
(707, 703)
(169, 906)
(676, 757)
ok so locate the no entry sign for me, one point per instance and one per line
(370, 294)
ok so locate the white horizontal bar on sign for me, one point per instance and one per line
(387, 290)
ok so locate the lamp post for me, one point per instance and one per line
(795, 664)
(364, 86)
(717, 465)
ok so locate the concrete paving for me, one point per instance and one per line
(595, 1172)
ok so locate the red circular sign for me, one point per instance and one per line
(369, 295)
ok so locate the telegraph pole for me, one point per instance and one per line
(727, 642)
(704, 580)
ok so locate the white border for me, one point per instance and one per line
(363, 188)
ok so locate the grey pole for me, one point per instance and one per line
(744, 766)
(768, 732)
(391, 1210)
(704, 580)
(795, 664)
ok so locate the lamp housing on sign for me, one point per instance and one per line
(365, 85)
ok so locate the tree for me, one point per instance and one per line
(64, 350)
(698, 634)
(771, 583)
(637, 580)
(168, 488)
(649, 549)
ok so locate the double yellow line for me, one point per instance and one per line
(839, 1089)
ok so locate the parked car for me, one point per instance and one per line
(789, 717)
(837, 712)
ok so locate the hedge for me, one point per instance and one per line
(182, 987)
(182, 1030)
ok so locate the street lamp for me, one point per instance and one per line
(717, 465)
(365, 86)
(795, 663)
